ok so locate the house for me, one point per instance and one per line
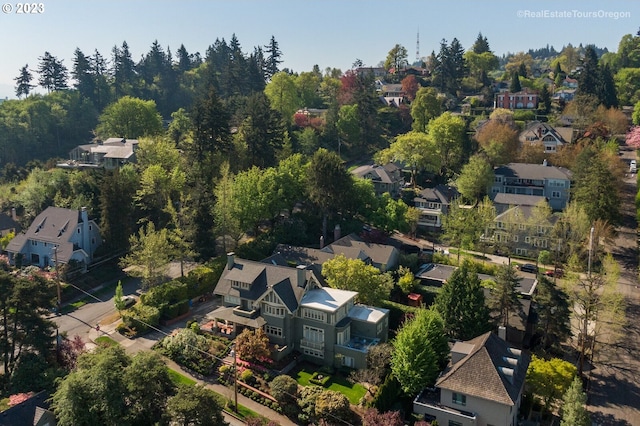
(564, 95)
(386, 178)
(57, 236)
(31, 412)
(297, 312)
(109, 154)
(503, 202)
(544, 134)
(9, 223)
(433, 204)
(515, 228)
(571, 83)
(382, 256)
(541, 180)
(482, 385)
(519, 100)
(376, 72)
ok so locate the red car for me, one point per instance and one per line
(557, 273)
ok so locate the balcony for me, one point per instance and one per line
(360, 343)
(428, 402)
(311, 344)
(245, 312)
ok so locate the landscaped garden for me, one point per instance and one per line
(310, 376)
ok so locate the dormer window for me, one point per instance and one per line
(240, 285)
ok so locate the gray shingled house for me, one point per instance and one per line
(482, 385)
(297, 312)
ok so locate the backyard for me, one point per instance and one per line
(339, 383)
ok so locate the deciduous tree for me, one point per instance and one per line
(150, 254)
(396, 58)
(415, 149)
(355, 275)
(448, 132)
(426, 106)
(252, 345)
(129, 118)
(475, 178)
(548, 380)
(195, 405)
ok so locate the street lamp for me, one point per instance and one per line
(235, 375)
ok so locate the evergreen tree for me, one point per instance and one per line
(574, 411)
(123, 71)
(185, 60)
(545, 99)
(53, 74)
(515, 86)
(522, 69)
(607, 88)
(23, 82)
(261, 131)
(588, 79)
(210, 127)
(462, 305)
(273, 60)
(503, 299)
(481, 45)
(100, 72)
(81, 73)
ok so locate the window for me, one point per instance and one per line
(34, 243)
(240, 285)
(458, 398)
(90, 228)
(313, 352)
(274, 311)
(555, 194)
(315, 315)
(35, 258)
(344, 336)
(348, 361)
(78, 230)
(232, 300)
(515, 238)
(273, 331)
(454, 423)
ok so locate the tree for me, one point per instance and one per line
(545, 99)
(574, 401)
(475, 178)
(123, 71)
(225, 210)
(462, 305)
(553, 313)
(273, 60)
(117, 208)
(284, 389)
(499, 140)
(261, 131)
(82, 74)
(23, 82)
(195, 405)
(110, 388)
(410, 86)
(378, 366)
(149, 255)
(396, 58)
(463, 226)
(503, 299)
(252, 345)
(448, 132)
(549, 380)
(355, 275)
(374, 418)
(329, 184)
(118, 298)
(53, 74)
(24, 328)
(420, 351)
(331, 405)
(515, 86)
(406, 280)
(415, 149)
(129, 118)
(514, 63)
(426, 106)
(283, 95)
(210, 129)
(632, 138)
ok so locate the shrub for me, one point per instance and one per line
(224, 369)
(168, 293)
(247, 376)
(320, 378)
(200, 281)
(141, 317)
(189, 349)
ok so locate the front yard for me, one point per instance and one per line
(353, 391)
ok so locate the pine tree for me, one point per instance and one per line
(515, 86)
(81, 73)
(53, 74)
(23, 82)
(574, 412)
(503, 298)
(545, 99)
(607, 88)
(123, 71)
(481, 45)
(273, 60)
(588, 78)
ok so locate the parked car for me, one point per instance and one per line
(129, 301)
(528, 267)
(559, 273)
(633, 166)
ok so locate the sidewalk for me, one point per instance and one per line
(133, 346)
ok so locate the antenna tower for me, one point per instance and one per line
(418, 46)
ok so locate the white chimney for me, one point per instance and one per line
(321, 241)
(544, 162)
(302, 275)
(502, 332)
(14, 216)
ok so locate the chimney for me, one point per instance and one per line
(544, 162)
(321, 242)
(336, 232)
(302, 275)
(14, 216)
(502, 332)
(230, 260)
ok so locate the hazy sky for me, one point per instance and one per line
(330, 33)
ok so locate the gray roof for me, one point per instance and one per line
(440, 193)
(7, 222)
(525, 212)
(517, 199)
(486, 371)
(378, 173)
(533, 171)
(55, 226)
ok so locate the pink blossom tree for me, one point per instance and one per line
(633, 137)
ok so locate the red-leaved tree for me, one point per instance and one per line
(374, 418)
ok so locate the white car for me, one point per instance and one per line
(633, 166)
(128, 301)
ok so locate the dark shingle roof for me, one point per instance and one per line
(24, 414)
(7, 222)
(533, 171)
(517, 199)
(488, 371)
(440, 193)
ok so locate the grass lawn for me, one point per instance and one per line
(354, 392)
(106, 340)
(178, 378)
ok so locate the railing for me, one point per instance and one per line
(312, 344)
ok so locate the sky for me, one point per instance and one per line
(329, 33)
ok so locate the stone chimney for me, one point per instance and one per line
(230, 260)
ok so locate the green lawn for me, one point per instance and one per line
(106, 341)
(178, 378)
(354, 392)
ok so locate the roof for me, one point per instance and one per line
(492, 370)
(262, 277)
(55, 226)
(517, 199)
(440, 193)
(228, 314)
(24, 414)
(327, 299)
(380, 254)
(514, 213)
(367, 313)
(376, 173)
(112, 148)
(7, 222)
(533, 171)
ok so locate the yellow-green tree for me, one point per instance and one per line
(355, 275)
(548, 380)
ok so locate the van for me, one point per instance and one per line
(632, 166)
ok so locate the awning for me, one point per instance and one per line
(227, 314)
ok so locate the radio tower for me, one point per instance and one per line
(418, 46)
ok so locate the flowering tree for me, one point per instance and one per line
(633, 137)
